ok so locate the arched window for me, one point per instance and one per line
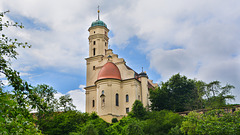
(127, 110)
(93, 103)
(94, 67)
(94, 51)
(102, 92)
(94, 42)
(127, 98)
(117, 100)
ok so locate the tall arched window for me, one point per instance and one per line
(93, 103)
(94, 42)
(94, 51)
(127, 98)
(103, 92)
(117, 100)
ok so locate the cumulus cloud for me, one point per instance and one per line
(78, 96)
(207, 35)
(63, 44)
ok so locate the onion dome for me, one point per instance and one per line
(109, 70)
(98, 23)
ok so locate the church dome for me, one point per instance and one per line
(98, 23)
(143, 74)
(109, 70)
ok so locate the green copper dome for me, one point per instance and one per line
(98, 23)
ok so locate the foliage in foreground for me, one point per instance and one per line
(215, 122)
(153, 123)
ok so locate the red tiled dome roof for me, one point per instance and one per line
(109, 70)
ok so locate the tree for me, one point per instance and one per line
(64, 122)
(114, 120)
(138, 110)
(23, 97)
(182, 94)
(201, 92)
(12, 118)
(124, 126)
(217, 95)
(215, 122)
(89, 129)
(134, 128)
(65, 102)
(177, 94)
(161, 122)
(15, 116)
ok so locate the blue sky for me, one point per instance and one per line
(199, 39)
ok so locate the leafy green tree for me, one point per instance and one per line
(161, 122)
(114, 120)
(181, 94)
(138, 110)
(12, 118)
(94, 125)
(175, 131)
(177, 94)
(89, 129)
(200, 87)
(64, 122)
(217, 95)
(215, 122)
(65, 102)
(99, 124)
(134, 128)
(15, 116)
(23, 97)
(159, 98)
(121, 126)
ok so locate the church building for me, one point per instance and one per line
(111, 86)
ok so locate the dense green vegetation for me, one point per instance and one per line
(149, 123)
(59, 117)
(182, 94)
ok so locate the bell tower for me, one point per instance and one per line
(98, 38)
(98, 45)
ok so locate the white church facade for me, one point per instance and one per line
(111, 86)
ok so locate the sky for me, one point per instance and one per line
(198, 39)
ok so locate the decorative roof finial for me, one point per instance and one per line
(142, 69)
(98, 12)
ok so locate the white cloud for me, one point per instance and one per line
(5, 82)
(78, 97)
